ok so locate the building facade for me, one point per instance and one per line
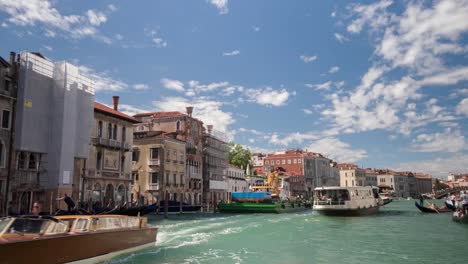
(158, 168)
(257, 159)
(215, 164)
(7, 104)
(351, 175)
(188, 129)
(109, 164)
(235, 181)
(371, 177)
(319, 171)
(56, 102)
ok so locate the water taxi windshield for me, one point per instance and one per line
(27, 226)
(3, 223)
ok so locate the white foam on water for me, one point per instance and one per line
(194, 239)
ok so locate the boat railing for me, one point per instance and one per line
(329, 202)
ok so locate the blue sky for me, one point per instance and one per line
(379, 83)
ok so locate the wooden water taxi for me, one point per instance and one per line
(347, 201)
(72, 238)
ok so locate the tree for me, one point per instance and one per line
(439, 185)
(239, 156)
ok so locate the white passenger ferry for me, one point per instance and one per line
(347, 201)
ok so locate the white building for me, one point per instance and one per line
(236, 180)
(258, 159)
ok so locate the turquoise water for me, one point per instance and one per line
(399, 234)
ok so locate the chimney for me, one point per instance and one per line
(210, 128)
(12, 63)
(189, 110)
(115, 101)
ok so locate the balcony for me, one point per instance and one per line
(106, 142)
(154, 162)
(153, 187)
(26, 179)
(126, 146)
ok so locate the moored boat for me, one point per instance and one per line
(178, 207)
(347, 201)
(460, 218)
(72, 238)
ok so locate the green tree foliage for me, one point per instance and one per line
(439, 185)
(239, 156)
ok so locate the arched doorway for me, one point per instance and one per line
(121, 194)
(109, 195)
(25, 203)
(96, 198)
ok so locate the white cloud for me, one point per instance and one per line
(174, 85)
(4, 25)
(340, 37)
(140, 86)
(441, 166)
(255, 28)
(268, 96)
(448, 141)
(201, 88)
(307, 59)
(208, 111)
(221, 5)
(337, 150)
(160, 43)
(119, 37)
(251, 140)
(253, 131)
(112, 8)
(231, 53)
(102, 81)
(132, 110)
(307, 111)
(334, 69)
(155, 38)
(49, 48)
(372, 14)
(42, 12)
(459, 92)
(333, 14)
(292, 138)
(96, 18)
(326, 85)
(462, 107)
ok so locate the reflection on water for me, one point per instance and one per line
(400, 233)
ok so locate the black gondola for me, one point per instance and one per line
(460, 219)
(430, 210)
(450, 205)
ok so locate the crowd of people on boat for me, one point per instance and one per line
(462, 208)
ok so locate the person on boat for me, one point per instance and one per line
(37, 208)
(69, 201)
(452, 198)
(433, 206)
(421, 200)
(464, 198)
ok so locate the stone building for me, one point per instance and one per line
(423, 183)
(371, 177)
(188, 129)
(319, 171)
(351, 175)
(54, 119)
(7, 104)
(393, 180)
(109, 164)
(158, 168)
(215, 163)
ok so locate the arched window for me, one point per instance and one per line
(178, 125)
(32, 162)
(123, 134)
(99, 161)
(99, 129)
(21, 160)
(109, 131)
(115, 132)
(122, 164)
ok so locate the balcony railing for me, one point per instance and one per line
(106, 142)
(26, 178)
(153, 187)
(154, 162)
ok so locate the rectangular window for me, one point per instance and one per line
(295, 161)
(6, 119)
(154, 177)
(299, 161)
(181, 179)
(7, 85)
(267, 163)
(277, 162)
(289, 161)
(283, 162)
(154, 153)
(174, 177)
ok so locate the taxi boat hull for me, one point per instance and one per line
(75, 247)
(268, 208)
(347, 212)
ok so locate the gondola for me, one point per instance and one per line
(430, 210)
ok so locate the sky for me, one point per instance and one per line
(382, 84)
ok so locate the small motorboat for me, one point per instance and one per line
(72, 238)
(424, 209)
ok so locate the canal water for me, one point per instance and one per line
(399, 234)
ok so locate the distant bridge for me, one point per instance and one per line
(441, 193)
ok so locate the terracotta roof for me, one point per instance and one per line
(160, 114)
(102, 108)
